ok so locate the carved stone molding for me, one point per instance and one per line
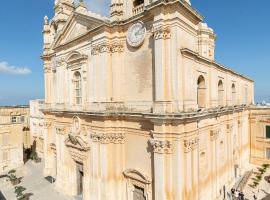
(190, 144)
(161, 33)
(135, 178)
(77, 148)
(107, 48)
(161, 146)
(107, 138)
(214, 134)
(47, 125)
(60, 130)
(117, 48)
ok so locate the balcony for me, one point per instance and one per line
(138, 9)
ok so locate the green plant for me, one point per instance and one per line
(262, 170)
(33, 156)
(19, 192)
(11, 175)
(255, 183)
(265, 166)
(259, 177)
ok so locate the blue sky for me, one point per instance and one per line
(243, 42)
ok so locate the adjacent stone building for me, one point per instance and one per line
(137, 108)
(260, 134)
(14, 136)
(37, 126)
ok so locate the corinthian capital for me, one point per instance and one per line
(191, 143)
(161, 33)
(161, 146)
(60, 131)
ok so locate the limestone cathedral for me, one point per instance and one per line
(137, 108)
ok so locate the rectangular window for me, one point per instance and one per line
(268, 132)
(13, 119)
(268, 153)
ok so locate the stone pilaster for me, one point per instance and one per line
(107, 154)
(161, 149)
(162, 37)
(191, 168)
(214, 134)
(47, 151)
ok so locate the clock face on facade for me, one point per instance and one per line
(136, 34)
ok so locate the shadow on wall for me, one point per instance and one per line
(2, 197)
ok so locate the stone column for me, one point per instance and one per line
(162, 68)
(161, 148)
(213, 137)
(95, 181)
(47, 163)
(60, 164)
(239, 139)
(48, 80)
(229, 152)
(108, 161)
(188, 169)
(195, 168)
(104, 51)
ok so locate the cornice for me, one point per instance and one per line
(156, 118)
(191, 54)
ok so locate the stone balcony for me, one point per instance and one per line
(138, 9)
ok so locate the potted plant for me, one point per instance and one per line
(12, 177)
(265, 166)
(19, 193)
(35, 157)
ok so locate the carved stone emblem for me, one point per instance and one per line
(161, 146)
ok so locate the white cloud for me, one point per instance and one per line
(8, 69)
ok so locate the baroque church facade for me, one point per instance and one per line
(137, 108)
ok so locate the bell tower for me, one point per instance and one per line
(124, 9)
(121, 9)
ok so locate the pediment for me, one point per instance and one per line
(76, 142)
(136, 175)
(77, 25)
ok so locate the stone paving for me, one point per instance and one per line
(262, 191)
(38, 187)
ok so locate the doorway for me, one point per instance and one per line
(80, 179)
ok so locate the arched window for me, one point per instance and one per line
(201, 92)
(77, 88)
(220, 93)
(233, 94)
(138, 2)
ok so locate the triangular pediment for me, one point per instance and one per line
(77, 25)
